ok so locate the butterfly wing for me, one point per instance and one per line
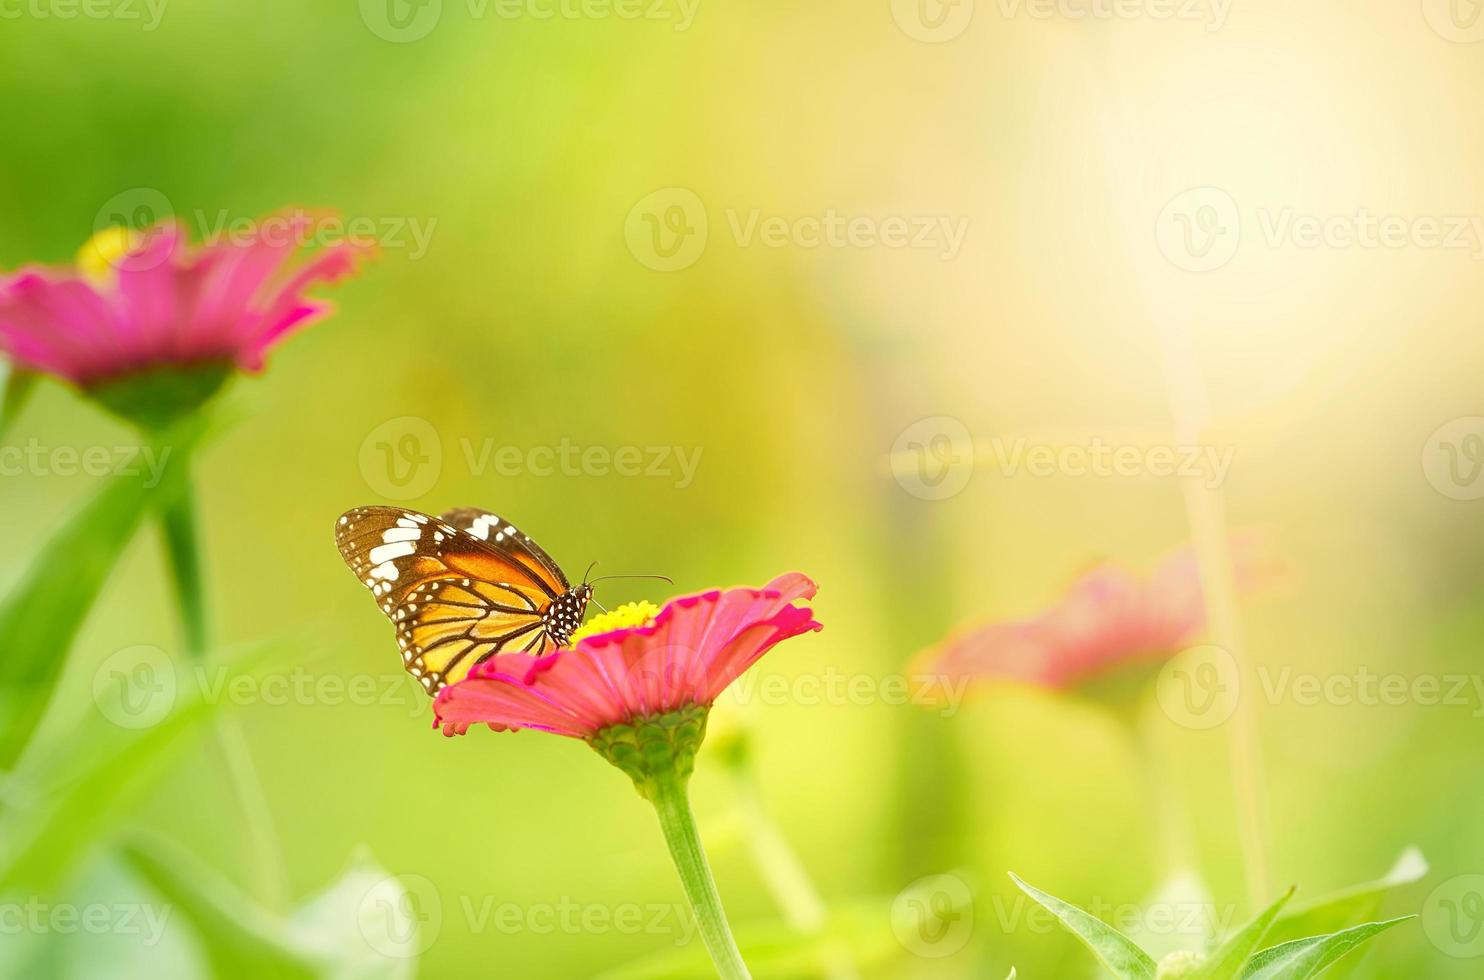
(537, 565)
(454, 598)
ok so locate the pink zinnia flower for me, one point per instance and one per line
(135, 302)
(1108, 619)
(640, 695)
(683, 660)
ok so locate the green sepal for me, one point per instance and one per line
(155, 398)
(655, 751)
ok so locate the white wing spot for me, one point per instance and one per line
(482, 525)
(387, 552)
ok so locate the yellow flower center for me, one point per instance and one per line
(622, 617)
(102, 253)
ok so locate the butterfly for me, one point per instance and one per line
(459, 588)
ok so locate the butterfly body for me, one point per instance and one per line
(564, 615)
(459, 588)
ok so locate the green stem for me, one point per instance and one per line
(183, 549)
(779, 865)
(264, 851)
(1191, 413)
(1205, 511)
(264, 856)
(1174, 850)
(679, 824)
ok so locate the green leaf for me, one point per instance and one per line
(16, 385)
(138, 943)
(1226, 962)
(1304, 958)
(360, 927)
(366, 925)
(240, 939)
(41, 616)
(1112, 948)
(1350, 906)
(40, 844)
(63, 801)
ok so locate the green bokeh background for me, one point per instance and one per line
(524, 144)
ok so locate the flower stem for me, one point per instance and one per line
(779, 865)
(679, 824)
(264, 855)
(1174, 850)
(183, 548)
(1168, 300)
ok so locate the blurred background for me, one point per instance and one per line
(825, 266)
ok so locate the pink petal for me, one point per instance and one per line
(696, 646)
(170, 305)
(148, 302)
(1107, 618)
(59, 325)
(285, 308)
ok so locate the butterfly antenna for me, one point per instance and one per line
(662, 578)
(598, 604)
(589, 572)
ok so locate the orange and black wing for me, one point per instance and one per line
(537, 566)
(456, 595)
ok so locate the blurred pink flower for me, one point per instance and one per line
(685, 658)
(1109, 618)
(138, 301)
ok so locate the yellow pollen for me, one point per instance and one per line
(97, 259)
(622, 617)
